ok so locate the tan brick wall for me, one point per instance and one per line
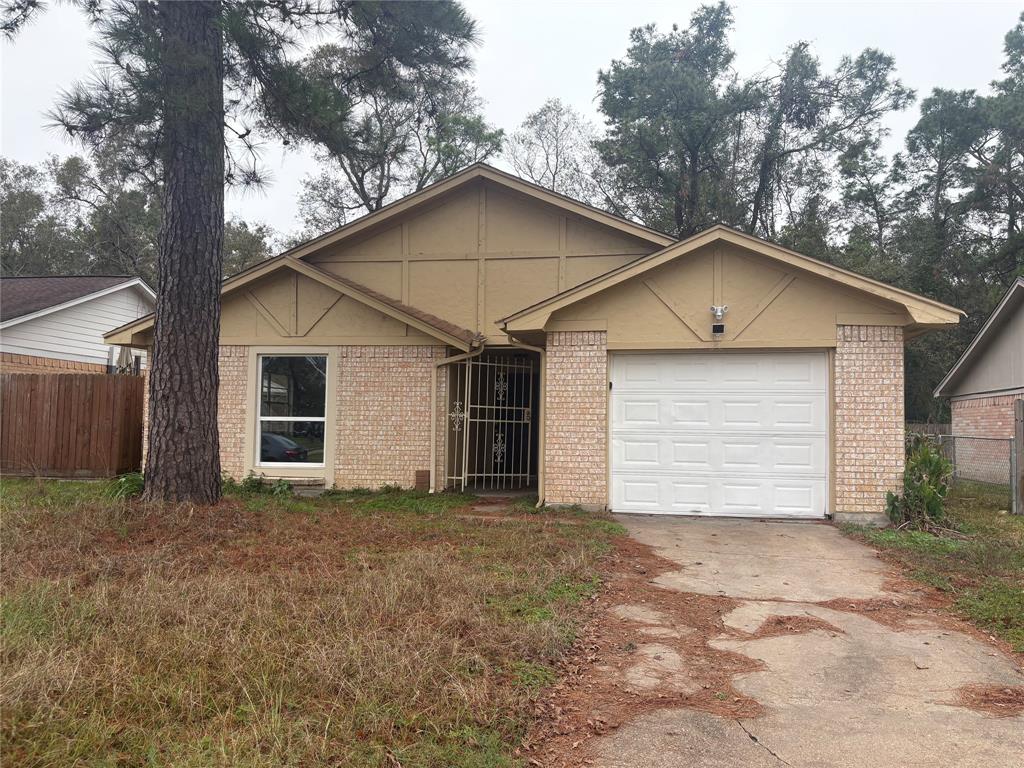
(576, 421)
(984, 416)
(868, 416)
(232, 409)
(383, 414)
(13, 363)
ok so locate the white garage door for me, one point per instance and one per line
(741, 434)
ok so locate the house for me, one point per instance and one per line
(56, 324)
(486, 333)
(983, 386)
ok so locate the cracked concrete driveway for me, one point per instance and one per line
(849, 692)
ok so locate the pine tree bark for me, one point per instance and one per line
(183, 457)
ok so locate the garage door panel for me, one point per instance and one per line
(756, 455)
(798, 499)
(742, 455)
(692, 454)
(715, 496)
(679, 375)
(691, 497)
(691, 413)
(742, 371)
(727, 434)
(797, 414)
(799, 371)
(741, 414)
(641, 453)
(640, 494)
(640, 412)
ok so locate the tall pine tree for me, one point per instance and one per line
(189, 86)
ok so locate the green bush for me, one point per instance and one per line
(925, 484)
(280, 489)
(126, 486)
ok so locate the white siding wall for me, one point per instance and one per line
(76, 333)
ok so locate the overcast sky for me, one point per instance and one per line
(533, 51)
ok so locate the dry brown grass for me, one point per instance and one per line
(365, 630)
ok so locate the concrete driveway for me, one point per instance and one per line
(855, 693)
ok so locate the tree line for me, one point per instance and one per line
(381, 93)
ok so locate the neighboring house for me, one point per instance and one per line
(56, 324)
(983, 386)
(488, 333)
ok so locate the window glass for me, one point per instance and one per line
(298, 442)
(293, 386)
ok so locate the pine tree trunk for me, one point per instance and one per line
(183, 457)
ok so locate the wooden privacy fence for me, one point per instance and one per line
(70, 425)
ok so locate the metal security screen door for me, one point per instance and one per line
(491, 418)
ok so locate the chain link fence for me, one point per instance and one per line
(982, 459)
(989, 460)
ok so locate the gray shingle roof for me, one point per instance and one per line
(25, 295)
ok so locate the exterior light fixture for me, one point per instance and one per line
(718, 327)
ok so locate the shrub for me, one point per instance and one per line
(126, 486)
(256, 485)
(925, 484)
(280, 489)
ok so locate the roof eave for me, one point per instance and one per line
(977, 344)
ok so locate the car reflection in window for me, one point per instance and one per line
(279, 448)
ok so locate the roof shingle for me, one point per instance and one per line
(24, 295)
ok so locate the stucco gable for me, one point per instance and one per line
(460, 194)
(284, 300)
(735, 260)
(769, 305)
(482, 247)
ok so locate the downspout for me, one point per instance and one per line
(433, 403)
(540, 411)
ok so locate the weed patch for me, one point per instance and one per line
(355, 629)
(980, 563)
(996, 606)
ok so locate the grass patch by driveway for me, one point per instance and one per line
(358, 629)
(983, 571)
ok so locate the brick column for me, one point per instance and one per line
(232, 407)
(576, 423)
(869, 418)
(145, 408)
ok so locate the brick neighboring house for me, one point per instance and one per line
(486, 333)
(55, 324)
(983, 386)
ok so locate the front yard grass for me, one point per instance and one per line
(982, 569)
(356, 629)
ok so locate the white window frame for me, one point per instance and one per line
(260, 418)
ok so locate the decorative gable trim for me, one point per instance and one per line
(923, 312)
